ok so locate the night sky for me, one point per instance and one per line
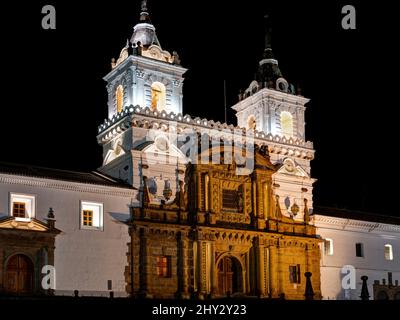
(54, 98)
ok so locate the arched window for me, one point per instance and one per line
(119, 98)
(158, 96)
(286, 124)
(388, 252)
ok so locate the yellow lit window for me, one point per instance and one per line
(388, 252)
(164, 266)
(119, 98)
(294, 274)
(158, 96)
(87, 218)
(286, 124)
(19, 210)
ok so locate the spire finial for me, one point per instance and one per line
(144, 14)
(268, 31)
(144, 5)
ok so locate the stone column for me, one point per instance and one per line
(275, 287)
(262, 267)
(202, 252)
(255, 267)
(247, 273)
(180, 266)
(143, 262)
(214, 288)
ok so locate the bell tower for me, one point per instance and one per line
(273, 109)
(144, 91)
(270, 104)
(144, 74)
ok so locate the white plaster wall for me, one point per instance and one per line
(373, 264)
(84, 259)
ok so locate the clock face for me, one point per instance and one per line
(162, 143)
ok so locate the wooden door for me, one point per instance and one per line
(225, 276)
(19, 275)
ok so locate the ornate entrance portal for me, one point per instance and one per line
(19, 275)
(229, 276)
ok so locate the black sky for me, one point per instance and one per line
(54, 98)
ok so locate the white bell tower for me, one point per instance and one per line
(271, 107)
(145, 74)
(147, 78)
(270, 103)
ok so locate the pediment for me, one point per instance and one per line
(163, 148)
(289, 167)
(29, 225)
(155, 52)
(115, 152)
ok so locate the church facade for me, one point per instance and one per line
(184, 207)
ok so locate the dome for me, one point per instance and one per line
(145, 33)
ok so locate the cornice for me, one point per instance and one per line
(273, 95)
(349, 224)
(65, 185)
(145, 118)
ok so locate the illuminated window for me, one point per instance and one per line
(164, 266)
(232, 200)
(91, 215)
(329, 247)
(158, 96)
(359, 250)
(286, 124)
(22, 206)
(294, 274)
(388, 252)
(119, 98)
(87, 218)
(19, 210)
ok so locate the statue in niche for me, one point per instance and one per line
(152, 186)
(181, 196)
(252, 123)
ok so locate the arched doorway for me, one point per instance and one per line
(229, 276)
(19, 275)
(382, 295)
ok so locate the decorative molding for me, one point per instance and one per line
(203, 266)
(289, 167)
(155, 52)
(176, 83)
(137, 116)
(66, 185)
(323, 222)
(234, 217)
(31, 225)
(140, 74)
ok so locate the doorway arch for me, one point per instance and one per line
(230, 276)
(19, 274)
